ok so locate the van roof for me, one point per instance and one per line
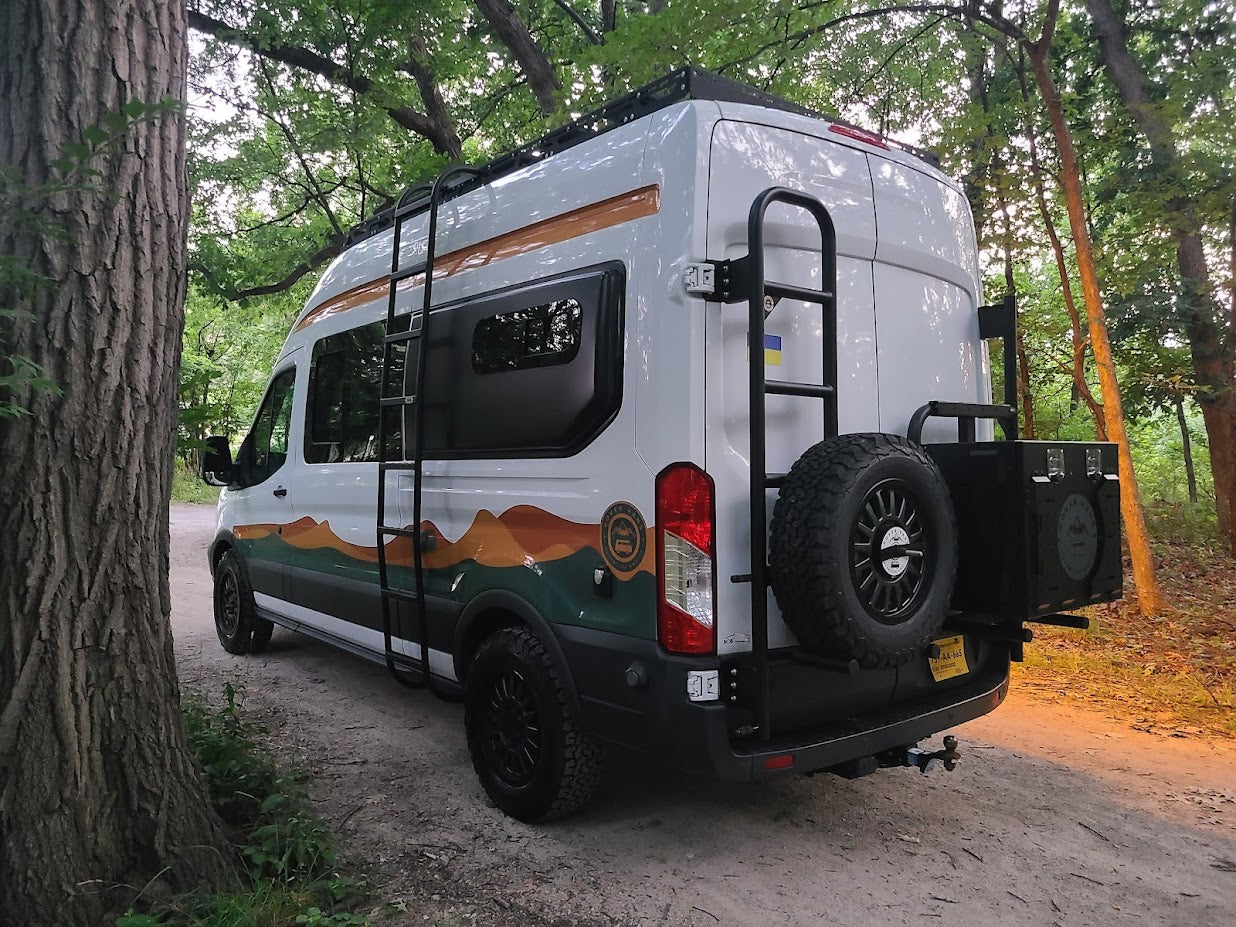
(687, 83)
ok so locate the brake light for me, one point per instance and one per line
(859, 135)
(686, 556)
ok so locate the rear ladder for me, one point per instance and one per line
(397, 344)
(744, 278)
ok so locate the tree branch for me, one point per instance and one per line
(512, 32)
(590, 34)
(314, 63)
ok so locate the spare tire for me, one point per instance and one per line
(863, 549)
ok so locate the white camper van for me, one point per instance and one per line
(671, 430)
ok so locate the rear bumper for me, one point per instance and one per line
(657, 718)
(829, 745)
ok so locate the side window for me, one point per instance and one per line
(341, 422)
(531, 371)
(539, 336)
(272, 426)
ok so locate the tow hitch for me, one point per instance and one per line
(930, 760)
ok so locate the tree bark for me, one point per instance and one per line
(1149, 599)
(1081, 387)
(99, 794)
(512, 32)
(1214, 361)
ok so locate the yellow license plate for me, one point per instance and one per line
(952, 659)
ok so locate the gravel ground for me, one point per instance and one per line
(1055, 816)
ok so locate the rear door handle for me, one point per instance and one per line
(281, 492)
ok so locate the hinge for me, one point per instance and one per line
(700, 279)
(724, 280)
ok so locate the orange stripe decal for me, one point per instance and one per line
(626, 207)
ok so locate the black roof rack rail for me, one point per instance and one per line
(686, 83)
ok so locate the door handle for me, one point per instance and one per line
(281, 492)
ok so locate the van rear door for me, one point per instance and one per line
(746, 159)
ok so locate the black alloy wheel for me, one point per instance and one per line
(514, 742)
(228, 609)
(889, 559)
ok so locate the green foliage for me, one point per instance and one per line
(267, 809)
(288, 855)
(228, 352)
(187, 486)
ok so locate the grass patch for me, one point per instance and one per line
(187, 486)
(285, 851)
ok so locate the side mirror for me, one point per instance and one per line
(217, 462)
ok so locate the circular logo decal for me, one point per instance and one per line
(1077, 537)
(624, 536)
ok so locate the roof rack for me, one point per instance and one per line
(687, 83)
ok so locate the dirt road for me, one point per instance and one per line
(1055, 816)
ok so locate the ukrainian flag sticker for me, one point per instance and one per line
(772, 350)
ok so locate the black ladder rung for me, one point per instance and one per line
(788, 291)
(774, 480)
(400, 337)
(790, 388)
(397, 532)
(401, 594)
(405, 272)
(398, 401)
(388, 465)
(405, 663)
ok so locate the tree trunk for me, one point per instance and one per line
(1213, 360)
(1023, 389)
(1187, 448)
(99, 794)
(1148, 597)
(1081, 387)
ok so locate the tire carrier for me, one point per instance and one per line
(741, 278)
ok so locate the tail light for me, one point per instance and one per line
(686, 557)
(859, 135)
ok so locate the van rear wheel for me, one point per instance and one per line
(527, 748)
(239, 628)
(863, 549)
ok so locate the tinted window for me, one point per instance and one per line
(341, 419)
(271, 428)
(539, 336)
(535, 370)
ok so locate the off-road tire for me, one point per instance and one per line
(240, 629)
(563, 774)
(826, 585)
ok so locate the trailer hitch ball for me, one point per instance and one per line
(929, 761)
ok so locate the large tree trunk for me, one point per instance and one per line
(98, 791)
(1213, 359)
(1148, 597)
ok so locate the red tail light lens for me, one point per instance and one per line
(859, 135)
(686, 556)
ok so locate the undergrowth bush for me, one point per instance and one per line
(286, 851)
(266, 808)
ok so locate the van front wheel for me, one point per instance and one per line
(239, 628)
(527, 747)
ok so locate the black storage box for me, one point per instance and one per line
(1038, 525)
